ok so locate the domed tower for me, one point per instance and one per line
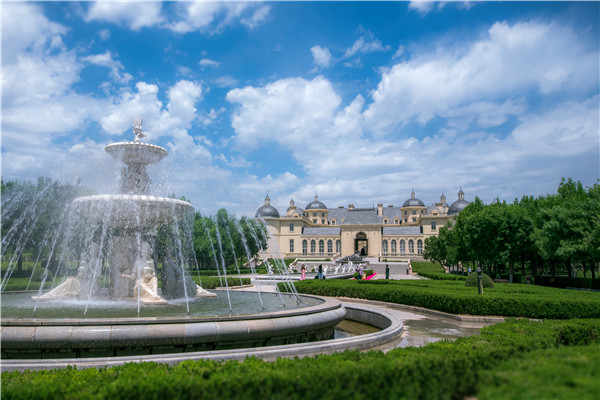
(293, 211)
(459, 204)
(317, 212)
(412, 209)
(267, 211)
(442, 205)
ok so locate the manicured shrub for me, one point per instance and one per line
(212, 282)
(511, 300)
(434, 271)
(442, 370)
(572, 372)
(471, 280)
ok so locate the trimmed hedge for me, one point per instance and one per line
(572, 371)
(442, 370)
(212, 282)
(505, 299)
(434, 271)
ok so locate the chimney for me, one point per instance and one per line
(380, 210)
(350, 206)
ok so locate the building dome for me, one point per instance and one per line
(459, 204)
(316, 205)
(413, 201)
(267, 211)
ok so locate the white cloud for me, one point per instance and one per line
(106, 60)
(225, 81)
(104, 34)
(523, 56)
(321, 56)
(257, 18)
(25, 28)
(399, 52)
(205, 62)
(562, 131)
(365, 44)
(163, 120)
(134, 15)
(421, 6)
(213, 17)
(290, 111)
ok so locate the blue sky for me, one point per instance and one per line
(359, 102)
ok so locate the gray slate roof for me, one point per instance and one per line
(392, 212)
(401, 230)
(325, 231)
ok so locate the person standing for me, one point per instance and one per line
(387, 271)
(303, 275)
(320, 273)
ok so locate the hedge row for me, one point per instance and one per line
(434, 271)
(572, 371)
(511, 300)
(212, 282)
(442, 370)
(208, 282)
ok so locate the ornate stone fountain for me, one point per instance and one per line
(133, 217)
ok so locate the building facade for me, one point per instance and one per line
(393, 233)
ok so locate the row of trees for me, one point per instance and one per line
(217, 240)
(32, 214)
(547, 235)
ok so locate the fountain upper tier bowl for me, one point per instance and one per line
(136, 153)
(132, 211)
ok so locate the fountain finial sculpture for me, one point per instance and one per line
(137, 129)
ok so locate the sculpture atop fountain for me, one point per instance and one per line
(133, 218)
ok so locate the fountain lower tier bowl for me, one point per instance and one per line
(131, 211)
(136, 153)
(101, 337)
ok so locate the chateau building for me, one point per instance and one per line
(394, 233)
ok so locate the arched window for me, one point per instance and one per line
(321, 246)
(304, 246)
(313, 246)
(385, 247)
(402, 247)
(333, 222)
(330, 246)
(393, 246)
(338, 246)
(396, 221)
(411, 246)
(420, 247)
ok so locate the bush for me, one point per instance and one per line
(212, 282)
(434, 271)
(509, 299)
(568, 368)
(471, 280)
(442, 370)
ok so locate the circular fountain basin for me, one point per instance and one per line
(314, 319)
(136, 152)
(131, 210)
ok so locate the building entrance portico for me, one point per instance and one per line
(361, 244)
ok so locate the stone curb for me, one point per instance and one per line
(380, 318)
(403, 307)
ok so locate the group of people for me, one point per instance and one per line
(321, 272)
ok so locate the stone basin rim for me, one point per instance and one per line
(328, 305)
(131, 198)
